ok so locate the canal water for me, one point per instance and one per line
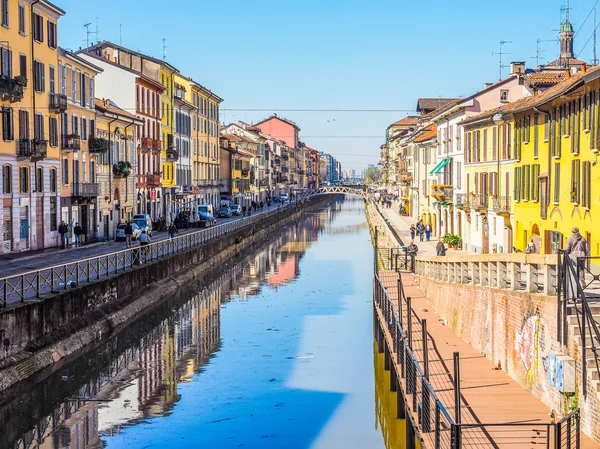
(274, 352)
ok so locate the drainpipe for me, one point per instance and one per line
(110, 161)
(34, 109)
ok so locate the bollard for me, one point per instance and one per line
(457, 436)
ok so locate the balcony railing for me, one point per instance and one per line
(156, 145)
(97, 145)
(463, 201)
(11, 89)
(70, 142)
(479, 202)
(85, 189)
(153, 180)
(172, 155)
(58, 102)
(146, 143)
(502, 204)
(443, 193)
(122, 169)
(35, 149)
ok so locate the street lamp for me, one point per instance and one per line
(498, 120)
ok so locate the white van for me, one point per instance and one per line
(207, 209)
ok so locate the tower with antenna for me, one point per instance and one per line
(89, 33)
(566, 38)
(500, 54)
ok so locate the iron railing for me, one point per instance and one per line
(52, 279)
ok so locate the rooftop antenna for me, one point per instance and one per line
(87, 34)
(164, 49)
(595, 28)
(501, 53)
(539, 51)
(121, 34)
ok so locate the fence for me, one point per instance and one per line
(52, 279)
(438, 418)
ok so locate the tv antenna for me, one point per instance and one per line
(88, 33)
(500, 54)
(164, 49)
(539, 51)
(595, 61)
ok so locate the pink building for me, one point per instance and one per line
(278, 128)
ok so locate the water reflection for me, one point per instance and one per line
(141, 373)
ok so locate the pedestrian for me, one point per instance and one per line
(578, 248)
(413, 231)
(440, 248)
(77, 231)
(128, 234)
(428, 230)
(145, 240)
(412, 249)
(530, 248)
(62, 230)
(172, 230)
(420, 229)
(262, 205)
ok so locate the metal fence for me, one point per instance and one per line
(52, 279)
(440, 423)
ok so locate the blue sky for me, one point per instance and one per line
(321, 55)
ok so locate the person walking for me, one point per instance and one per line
(172, 230)
(578, 248)
(412, 249)
(530, 248)
(428, 230)
(440, 249)
(77, 231)
(62, 230)
(420, 229)
(128, 234)
(413, 231)
(145, 240)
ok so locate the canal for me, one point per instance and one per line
(276, 351)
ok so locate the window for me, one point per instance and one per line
(546, 127)
(92, 171)
(38, 28)
(23, 65)
(83, 128)
(6, 179)
(53, 213)
(556, 182)
(7, 123)
(53, 183)
(74, 85)
(51, 74)
(91, 93)
(53, 131)
(75, 125)
(63, 79)
(536, 119)
(23, 179)
(535, 182)
(65, 172)
(92, 128)
(586, 185)
(51, 34)
(82, 90)
(5, 62)
(39, 179)
(23, 124)
(575, 181)
(504, 96)
(21, 19)
(38, 127)
(39, 80)
(5, 13)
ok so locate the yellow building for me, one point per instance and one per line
(556, 176)
(29, 150)
(74, 101)
(114, 144)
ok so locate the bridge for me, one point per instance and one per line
(337, 190)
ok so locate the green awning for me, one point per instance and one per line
(435, 203)
(440, 165)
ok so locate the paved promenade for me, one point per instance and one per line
(488, 395)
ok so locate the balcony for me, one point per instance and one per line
(58, 103)
(502, 205)
(122, 169)
(97, 145)
(153, 180)
(146, 144)
(462, 201)
(70, 142)
(172, 155)
(285, 169)
(479, 202)
(443, 193)
(11, 89)
(285, 157)
(277, 161)
(85, 189)
(156, 145)
(245, 172)
(35, 149)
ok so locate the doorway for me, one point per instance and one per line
(485, 236)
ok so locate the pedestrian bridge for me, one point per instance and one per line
(337, 190)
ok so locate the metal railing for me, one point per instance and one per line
(86, 189)
(502, 204)
(438, 426)
(52, 279)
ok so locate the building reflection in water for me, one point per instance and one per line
(134, 375)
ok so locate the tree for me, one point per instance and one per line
(373, 174)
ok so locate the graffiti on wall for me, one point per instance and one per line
(532, 345)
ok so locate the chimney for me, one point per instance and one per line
(567, 74)
(517, 67)
(584, 67)
(486, 85)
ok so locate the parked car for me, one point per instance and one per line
(206, 220)
(207, 209)
(284, 197)
(144, 222)
(236, 209)
(121, 231)
(225, 212)
(277, 199)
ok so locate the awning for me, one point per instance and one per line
(435, 203)
(440, 165)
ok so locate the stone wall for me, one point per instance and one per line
(38, 334)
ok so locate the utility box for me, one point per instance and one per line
(561, 372)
